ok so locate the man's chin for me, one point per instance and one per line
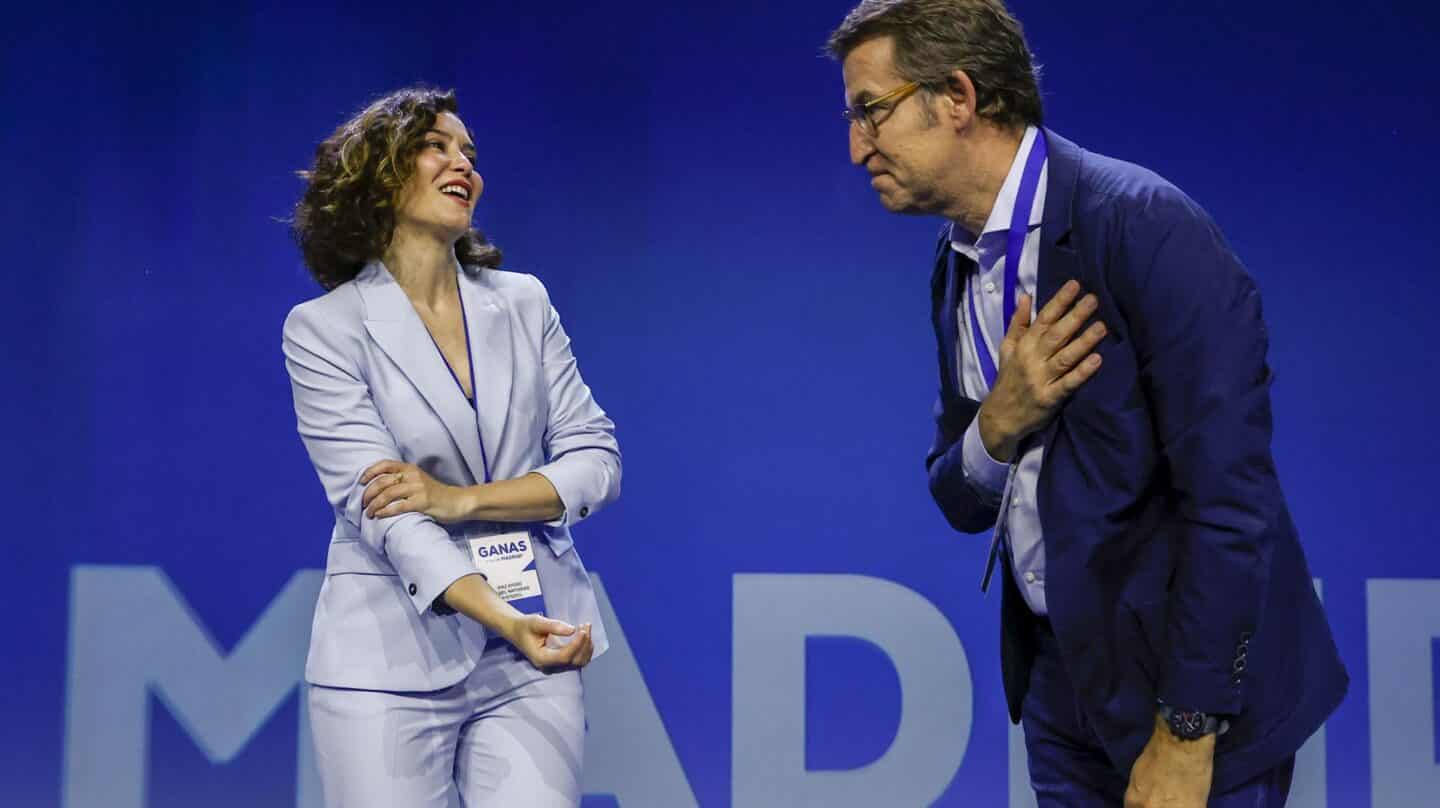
(903, 204)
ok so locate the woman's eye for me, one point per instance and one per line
(435, 144)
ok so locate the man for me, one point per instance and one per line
(1161, 641)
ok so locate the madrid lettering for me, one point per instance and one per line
(133, 636)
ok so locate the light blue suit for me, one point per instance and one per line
(369, 384)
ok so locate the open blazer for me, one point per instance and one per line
(1174, 571)
(369, 385)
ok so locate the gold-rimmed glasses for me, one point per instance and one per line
(870, 114)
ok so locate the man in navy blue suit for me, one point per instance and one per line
(1104, 406)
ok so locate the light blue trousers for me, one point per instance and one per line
(508, 735)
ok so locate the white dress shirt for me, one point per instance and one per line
(1019, 521)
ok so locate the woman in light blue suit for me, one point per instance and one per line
(440, 403)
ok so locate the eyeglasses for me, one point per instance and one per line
(872, 113)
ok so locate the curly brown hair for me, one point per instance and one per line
(346, 217)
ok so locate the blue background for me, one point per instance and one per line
(741, 305)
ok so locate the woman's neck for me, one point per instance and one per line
(424, 267)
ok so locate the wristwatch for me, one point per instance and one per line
(1191, 725)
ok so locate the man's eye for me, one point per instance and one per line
(880, 112)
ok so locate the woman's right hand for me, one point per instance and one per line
(532, 634)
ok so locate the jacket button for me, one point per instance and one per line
(413, 589)
(584, 511)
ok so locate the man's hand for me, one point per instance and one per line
(1171, 773)
(393, 488)
(1041, 365)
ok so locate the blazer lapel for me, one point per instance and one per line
(944, 316)
(492, 359)
(1058, 260)
(396, 327)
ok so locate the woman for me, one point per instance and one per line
(444, 413)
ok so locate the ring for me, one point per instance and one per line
(399, 476)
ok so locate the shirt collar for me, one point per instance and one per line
(965, 242)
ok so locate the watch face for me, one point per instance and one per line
(1188, 724)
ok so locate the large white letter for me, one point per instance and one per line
(773, 614)
(627, 751)
(131, 633)
(1403, 620)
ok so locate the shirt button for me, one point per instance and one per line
(990, 287)
(584, 511)
(1029, 577)
(413, 588)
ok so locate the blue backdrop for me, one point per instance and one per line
(741, 305)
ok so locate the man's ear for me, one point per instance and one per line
(959, 104)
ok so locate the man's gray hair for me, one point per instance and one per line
(935, 37)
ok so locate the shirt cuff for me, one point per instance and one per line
(426, 558)
(982, 470)
(581, 479)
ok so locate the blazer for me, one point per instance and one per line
(370, 384)
(1173, 569)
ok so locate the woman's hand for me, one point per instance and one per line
(532, 633)
(392, 488)
(538, 637)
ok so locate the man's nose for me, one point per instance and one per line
(861, 146)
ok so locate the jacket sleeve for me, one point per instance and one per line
(582, 458)
(1200, 343)
(969, 501)
(344, 434)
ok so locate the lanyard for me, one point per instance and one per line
(473, 402)
(1014, 246)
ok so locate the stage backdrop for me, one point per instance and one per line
(794, 622)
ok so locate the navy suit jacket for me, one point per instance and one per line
(1173, 569)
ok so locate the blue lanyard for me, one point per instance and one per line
(1014, 246)
(474, 402)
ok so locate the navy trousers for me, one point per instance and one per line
(1068, 766)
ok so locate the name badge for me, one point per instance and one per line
(508, 561)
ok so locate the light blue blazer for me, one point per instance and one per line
(370, 384)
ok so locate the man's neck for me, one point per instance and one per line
(423, 266)
(989, 155)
